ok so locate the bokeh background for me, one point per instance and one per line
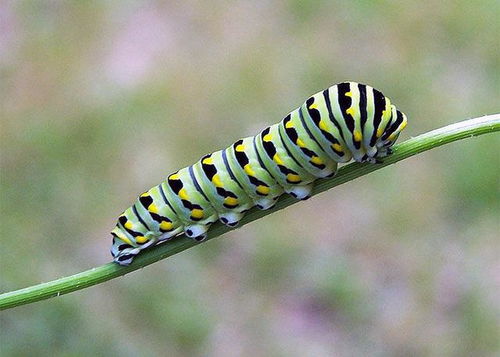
(101, 100)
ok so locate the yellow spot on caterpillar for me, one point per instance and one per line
(357, 136)
(141, 239)
(166, 226)
(403, 124)
(207, 161)
(313, 106)
(316, 160)
(128, 225)
(120, 235)
(322, 125)
(300, 143)
(348, 94)
(145, 194)
(264, 190)
(351, 111)
(183, 194)
(268, 137)
(174, 177)
(126, 240)
(152, 208)
(217, 181)
(197, 213)
(248, 170)
(289, 124)
(392, 137)
(240, 148)
(379, 132)
(337, 147)
(231, 201)
(277, 159)
(293, 178)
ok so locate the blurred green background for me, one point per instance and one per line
(101, 100)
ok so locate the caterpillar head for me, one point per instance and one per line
(391, 133)
(387, 138)
(394, 127)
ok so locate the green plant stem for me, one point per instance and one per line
(413, 146)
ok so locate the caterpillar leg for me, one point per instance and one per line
(230, 219)
(169, 235)
(265, 203)
(300, 192)
(198, 232)
(384, 151)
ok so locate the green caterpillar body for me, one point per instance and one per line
(346, 121)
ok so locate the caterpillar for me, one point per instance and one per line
(348, 121)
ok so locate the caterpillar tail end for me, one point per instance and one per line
(124, 251)
(125, 256)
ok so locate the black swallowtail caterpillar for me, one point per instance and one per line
(346, 121)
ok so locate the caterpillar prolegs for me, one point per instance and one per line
(344, 122)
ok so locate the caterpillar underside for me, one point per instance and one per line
(344, 122)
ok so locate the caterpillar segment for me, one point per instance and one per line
(248, 167)
(284, 167)
(317, 115)
(193, 206)
(305, 148)
(163, 221)
(221, 187)
(348, 121)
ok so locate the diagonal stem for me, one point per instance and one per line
(413, 146)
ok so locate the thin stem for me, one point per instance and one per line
(413, 146)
